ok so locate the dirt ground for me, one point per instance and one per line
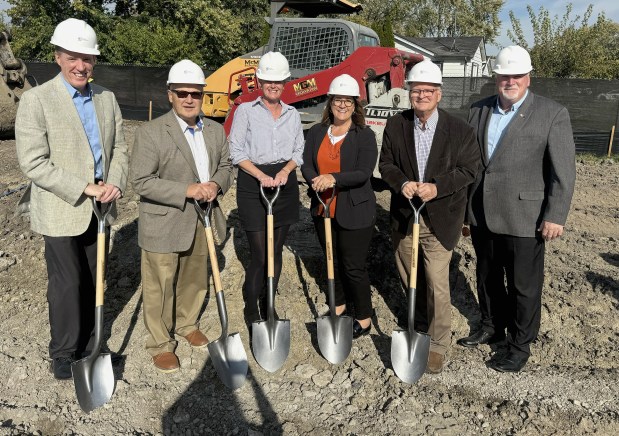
(569, 385)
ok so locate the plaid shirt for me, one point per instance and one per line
(423, 142)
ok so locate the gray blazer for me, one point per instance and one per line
(531, 175)
(53, 151)
(162, 167)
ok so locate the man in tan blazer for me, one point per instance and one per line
(70, 144)
(177, 158)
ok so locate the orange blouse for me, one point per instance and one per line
(328, 161)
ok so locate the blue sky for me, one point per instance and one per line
(558, 8)
(555, 7)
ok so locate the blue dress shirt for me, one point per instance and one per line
(86, 110)
(499, 121)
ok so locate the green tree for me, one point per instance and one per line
(437, 18)
(570, 47)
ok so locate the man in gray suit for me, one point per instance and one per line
(519, 202)
(70, 144)
(169, 154)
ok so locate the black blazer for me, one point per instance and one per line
(356, 202)
(452, 165)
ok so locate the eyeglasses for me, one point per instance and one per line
(423, 92)
(196, 95)
(347, 102)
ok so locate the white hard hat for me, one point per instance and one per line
(513, 60)
(186, 71)
(344, 85)
(425, 71)
(273, 66)
(75, 35)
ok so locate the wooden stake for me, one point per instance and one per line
(150, 111)
(610, 143)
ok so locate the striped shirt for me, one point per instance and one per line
(423, 142)
(257, 137)
(195, 139)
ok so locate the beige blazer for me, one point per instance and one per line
(162, 167)
(53, 151)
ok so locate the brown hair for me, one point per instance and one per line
(358, 115)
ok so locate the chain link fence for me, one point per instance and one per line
(593, 104)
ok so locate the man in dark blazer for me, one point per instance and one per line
(433, 156)
(519, 202)
(169, 154)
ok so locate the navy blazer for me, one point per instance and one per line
(452, 165)
(356, 202)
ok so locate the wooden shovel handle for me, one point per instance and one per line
(329, 249)
(270, 247)
(414, 255)
(100, 269)
(213, 256)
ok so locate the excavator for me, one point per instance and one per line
(318, 50)
(14, 81)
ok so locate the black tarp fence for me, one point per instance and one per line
(593, 104)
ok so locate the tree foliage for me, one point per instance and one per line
(209, 32)
(570, 47)
(436, 18)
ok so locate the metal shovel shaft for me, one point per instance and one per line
(271, 338)
(93, 376)
(334, 331)
(227, 352)
(410, 349)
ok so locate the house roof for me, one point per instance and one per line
(448, 47)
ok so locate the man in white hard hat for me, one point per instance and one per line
(519, 202)
(177, 158)
(432, 157)
(70, 144)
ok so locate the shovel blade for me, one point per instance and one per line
(409, 354)
(334, 337)
(230, 360)
(94, 381)
(271, 343)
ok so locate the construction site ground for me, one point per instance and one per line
(569, 385)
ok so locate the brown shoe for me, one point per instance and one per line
(166, 362)
(197, 339)
(435, 363)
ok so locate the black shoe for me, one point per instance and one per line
(61, 368)
(480, 337)
(510, 363)
(358, 331)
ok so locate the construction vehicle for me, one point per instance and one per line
(13, 83)
(318, 50)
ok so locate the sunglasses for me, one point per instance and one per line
(196, 95)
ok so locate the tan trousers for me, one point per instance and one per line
(433, 303)
(173, 306)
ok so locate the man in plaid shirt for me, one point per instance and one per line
(431, 157)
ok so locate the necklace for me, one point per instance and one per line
(335, 138)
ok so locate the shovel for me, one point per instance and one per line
(93, 375)
(227, 352)
(270, 338)
(334, 331)
(410, 349)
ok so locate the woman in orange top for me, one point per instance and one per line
(340, 153)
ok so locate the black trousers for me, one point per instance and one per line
(350, 251)
(71, 270)
(510, 277)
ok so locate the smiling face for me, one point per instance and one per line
(511, 88)
(76, 68)
(342, 108)
(187, 105)
(272, 90)
(424, 98)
